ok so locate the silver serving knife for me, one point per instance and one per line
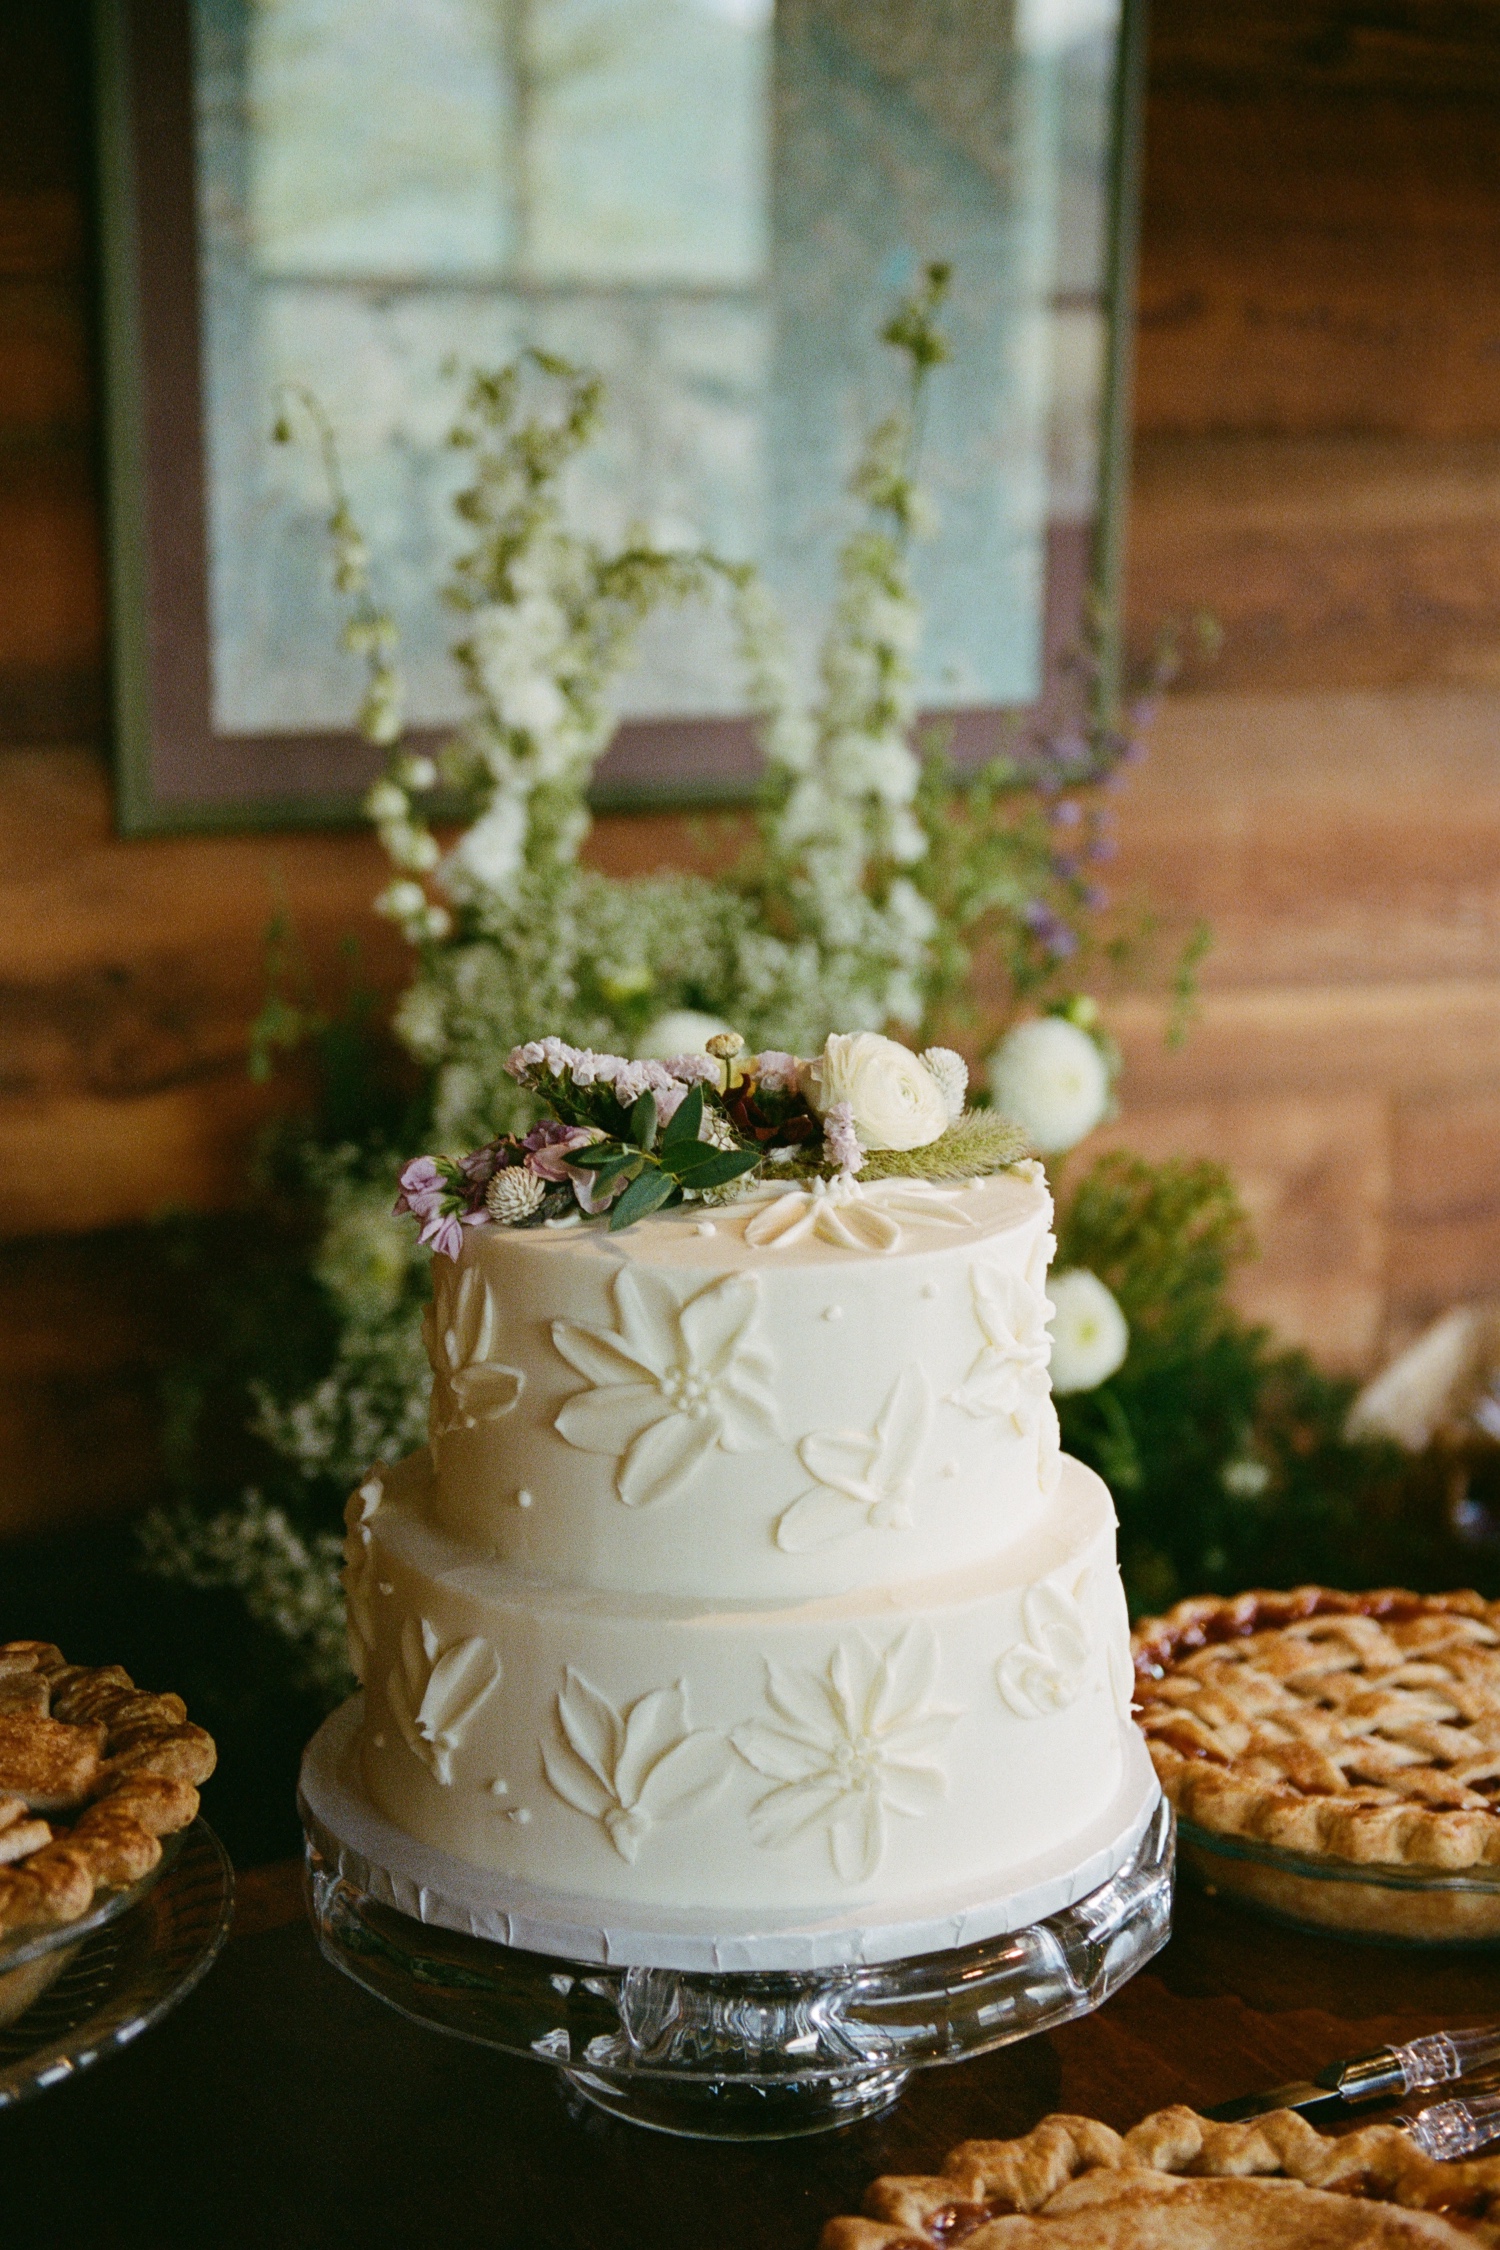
(1384, 2076)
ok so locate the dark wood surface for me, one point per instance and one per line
(282, 2106)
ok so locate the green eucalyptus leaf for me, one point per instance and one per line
(686, 1120)
(643, 1196)
(643, 1121)
(719, 1165)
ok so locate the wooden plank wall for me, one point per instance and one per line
(1318, 461)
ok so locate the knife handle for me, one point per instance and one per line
(1446, 2130)
(1446, 2055)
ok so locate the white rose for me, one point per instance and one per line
(1051, 1078)
(681, 1031)
(1090, 1334)
(895, 1100)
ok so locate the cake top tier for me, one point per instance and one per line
(624, 1140)
(700, 1405)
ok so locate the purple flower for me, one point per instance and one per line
(445, 1230)
(549, 1145)
(422, 1188)
(587, 1067)
(1066, 813)
(694, 1070)
(840, 1139)
(479, 1168)
(1101, 850)
(1096, 898)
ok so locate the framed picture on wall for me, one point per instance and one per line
(713, 203)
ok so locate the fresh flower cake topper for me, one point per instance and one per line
(629, 1138)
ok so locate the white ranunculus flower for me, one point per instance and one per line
(1090, 1334)
(895, 1100)
(1051, 1078)
(681, 1031)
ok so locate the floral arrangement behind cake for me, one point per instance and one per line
(877, 888)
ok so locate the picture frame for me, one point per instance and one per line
(180, 766)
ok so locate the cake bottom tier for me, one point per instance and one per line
(836, 1755)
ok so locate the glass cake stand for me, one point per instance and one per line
(766, 2055)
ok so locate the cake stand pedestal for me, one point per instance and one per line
(805, 2031)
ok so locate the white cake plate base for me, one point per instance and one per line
(448, 1893)
(817, 2033)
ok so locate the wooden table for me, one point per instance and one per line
(280, 2106)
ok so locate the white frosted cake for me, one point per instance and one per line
(742, 1574)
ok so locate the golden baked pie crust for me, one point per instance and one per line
(1177, 2178)
(1356, 1727)
(94, 1771)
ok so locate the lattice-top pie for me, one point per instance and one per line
(1360, 1727)
(1178, 2181)
(93, 1773)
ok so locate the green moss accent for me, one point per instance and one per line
(980, 1141)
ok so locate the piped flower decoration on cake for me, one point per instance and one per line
(358, 1573)
(631, 1769)
(671, 1384)
(847, 1215)
(469, 1385)
(848, 1747)
(1008, 1380)
(1045, 1672)
(434, 1691)
(628, 1138)
(865, 1479)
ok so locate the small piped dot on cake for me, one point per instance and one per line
(833, 1312)
(523, 1498)
(499, 1788)
(705, 1226)
(385, 1586)
(520, 1814)
(378, 1740)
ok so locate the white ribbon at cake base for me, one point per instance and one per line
(437, 1889)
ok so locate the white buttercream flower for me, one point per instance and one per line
(842, 1212)
(681, 1031)
(672, 1383)
(630, 1769)
(1090, 1334)
(894, 1100)
(865, 1478)
(853, 1743)
(434, 1692)
(1052, 1079)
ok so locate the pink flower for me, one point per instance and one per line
(669, 1100)
(422, 1188)
(549, 1145)
(778, 1072)
(594, 1202)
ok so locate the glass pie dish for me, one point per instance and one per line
(1396, 1905)
(33, 1958)
(70, 1996)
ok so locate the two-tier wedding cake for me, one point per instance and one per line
(742, 1584)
